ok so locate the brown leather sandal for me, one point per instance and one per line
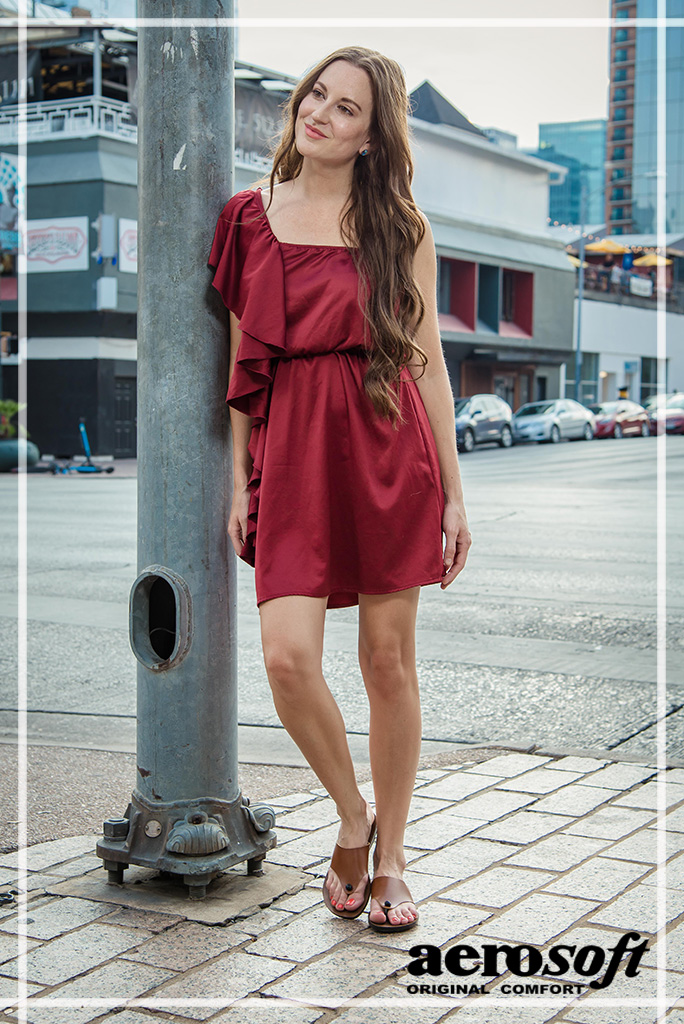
(350, 864)
(390, 893)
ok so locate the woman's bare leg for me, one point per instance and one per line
(292, 640)
(387, 656)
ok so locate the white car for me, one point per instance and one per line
(553, 420)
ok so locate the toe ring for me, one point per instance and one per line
(387, 903)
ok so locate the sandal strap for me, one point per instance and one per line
(386, 888)
(350, 864)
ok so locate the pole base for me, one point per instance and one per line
(197, 839)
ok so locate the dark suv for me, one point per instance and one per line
(481, 419)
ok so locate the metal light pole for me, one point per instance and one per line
(186, 815)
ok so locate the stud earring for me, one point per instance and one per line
(364, 152)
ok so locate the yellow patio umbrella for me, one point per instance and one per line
(605, 245)
(575, 261)
(652, 259)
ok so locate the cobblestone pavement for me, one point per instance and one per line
(518, 850)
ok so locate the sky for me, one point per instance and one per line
(511, 78)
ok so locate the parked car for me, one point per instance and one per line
(482, 418)
(620, 419)
(654, 402)
(672, 413)
(552, 420)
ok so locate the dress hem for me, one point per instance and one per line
(343, 590)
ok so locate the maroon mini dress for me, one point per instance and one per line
(341, 503)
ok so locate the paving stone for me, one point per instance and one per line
(36, 880)
(267, 1013)
(439, 830)
(577, 764)
(316, 815)
(77, 866)
(187, 945)
(539, 780)
(636, 910)
(300, 901)
(9, 948)
(648, 795)
(230, 977)
(669, 875)
(497, 887)
(307, 935)
(9, 994)
(674, 821)
(259, 923)
(524, 827)
(559, 852)
(58, 917)
(641, 987)
(423, 886)
(576, 800)
(622, 775)
(119, 980)
(44, 855)
(413, 1013)
(672, 775)
(430, 774)
(129, 917)
(600, 879)
(438, 923)
(74, 953)
(504, 1013)
(538, 918)
(492, 805)
(610, 823)
(643, 846)
(458, 785)
(463, 858)
(508, 765)
(421, 806)
(674, 951)
(292, 799)
(343, 973)
(296, 854)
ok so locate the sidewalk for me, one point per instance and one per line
(514, 849)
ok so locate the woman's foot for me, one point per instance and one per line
(405, 912)
(352, 834)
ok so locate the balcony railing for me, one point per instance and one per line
(70, 119)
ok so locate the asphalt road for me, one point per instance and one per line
(548, 637)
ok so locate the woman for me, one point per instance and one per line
(345, 466)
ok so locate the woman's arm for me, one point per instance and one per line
(435, 390)
(240, 428)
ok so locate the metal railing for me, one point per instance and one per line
(69, 119)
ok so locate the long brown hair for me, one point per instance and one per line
(381, 217)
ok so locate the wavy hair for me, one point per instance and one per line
(381, 225)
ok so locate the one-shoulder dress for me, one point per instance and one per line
(340, 503)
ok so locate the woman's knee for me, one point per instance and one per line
(389, 670)
(288, 666)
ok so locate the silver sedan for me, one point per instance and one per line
(553, 420)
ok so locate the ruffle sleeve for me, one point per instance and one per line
(251, 281)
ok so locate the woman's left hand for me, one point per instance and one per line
(457, 541)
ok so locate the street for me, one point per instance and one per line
(547, 638)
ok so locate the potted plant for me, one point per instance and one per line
(9, 443)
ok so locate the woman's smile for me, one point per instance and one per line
(313, 133)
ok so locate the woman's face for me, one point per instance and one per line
(334, 118)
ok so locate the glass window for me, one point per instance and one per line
(620, 75)
(620, 55)
(620, 94)
(620, 114)
(444, 296)
(621, 35)
(619, 153)
(617, 193)
(619, 133)
(617, 213)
